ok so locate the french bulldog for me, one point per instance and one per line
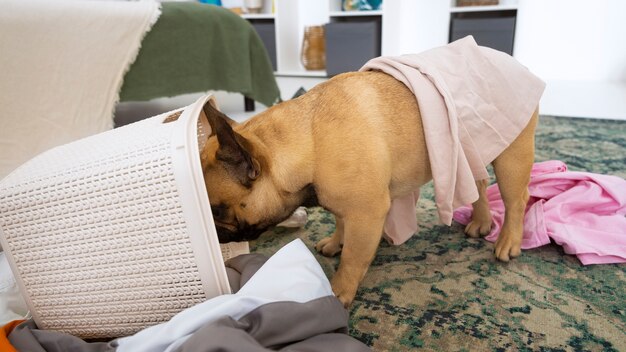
(353, 144)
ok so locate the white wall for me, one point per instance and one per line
(579, 48)
(412, 26)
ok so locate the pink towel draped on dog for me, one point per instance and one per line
(581, 211)
(474, 101)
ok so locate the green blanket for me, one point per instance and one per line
(195, 48)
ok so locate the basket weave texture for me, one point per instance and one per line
(97, 235)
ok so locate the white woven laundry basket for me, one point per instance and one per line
(113, 233)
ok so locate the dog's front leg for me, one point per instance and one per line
(362, 234)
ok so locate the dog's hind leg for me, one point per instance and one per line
(512, 168)
(331, 246)
(480, 225)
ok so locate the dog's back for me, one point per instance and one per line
(369, 122)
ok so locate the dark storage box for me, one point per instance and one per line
(267, 32)
(496, 33)
(349, 45)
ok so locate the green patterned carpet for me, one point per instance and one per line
(441, 291)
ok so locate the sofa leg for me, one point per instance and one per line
(248, 104)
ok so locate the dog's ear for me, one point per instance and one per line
(210, 107)
(233, 150)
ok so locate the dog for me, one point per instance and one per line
(353, 143)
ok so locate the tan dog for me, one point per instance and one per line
(356, 142)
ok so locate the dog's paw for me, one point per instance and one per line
(328, 247)
(508, 247)
(478, 228)
(344, 292)
(346, 300)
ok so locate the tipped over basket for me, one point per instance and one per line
(113, 233)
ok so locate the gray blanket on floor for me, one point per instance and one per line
(317, 325)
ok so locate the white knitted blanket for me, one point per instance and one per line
(61, 68)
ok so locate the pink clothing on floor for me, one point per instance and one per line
(401, 222)
(474, 101)
(581, 211)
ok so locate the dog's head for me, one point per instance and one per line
(244, 198)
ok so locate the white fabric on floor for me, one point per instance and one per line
(12, 305)
(291, 274)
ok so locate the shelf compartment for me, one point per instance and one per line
(493, 29)
(351, 43)
(266, 29)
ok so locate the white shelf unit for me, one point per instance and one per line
(501, 7)
(416, 25)
(290, 19)
(356, 13)
(258, 16)
(548, 45)
(302, 73)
